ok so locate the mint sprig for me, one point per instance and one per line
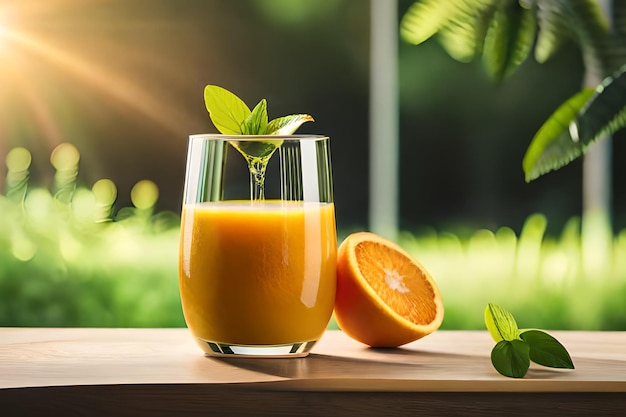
(231, 116)
(515, 348)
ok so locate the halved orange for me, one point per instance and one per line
(385, 297)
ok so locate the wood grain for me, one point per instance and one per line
(163, 372)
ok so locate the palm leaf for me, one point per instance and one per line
(502, 30)
(460, 40)
(455, 19)
(553, 147)
(617, 48)
(461, 25)
(579, 122)
(424, 18)
(591, 29)
(619, 18)
(553, 30)
(605, 113)
(463, 36)
(509, 39)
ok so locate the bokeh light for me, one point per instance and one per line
(18, 159)
(144, 194)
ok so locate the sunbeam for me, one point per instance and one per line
(105, 81)
(66, 62)
(3, 37)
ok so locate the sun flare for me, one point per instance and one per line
(4, 33)
(64, 61)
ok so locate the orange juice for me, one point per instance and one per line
(257, 273)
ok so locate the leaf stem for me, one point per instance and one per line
(257, 179)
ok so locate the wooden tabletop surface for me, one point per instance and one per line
(55, 364)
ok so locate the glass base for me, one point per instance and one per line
(290, 350)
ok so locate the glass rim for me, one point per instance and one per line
(294, 137)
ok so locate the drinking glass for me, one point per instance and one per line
(258, 243)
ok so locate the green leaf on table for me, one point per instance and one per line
(500, 323)
(546, 350)
(227, 111)
(515, 348)
(256, 122)
(286, 125)
(511, 358)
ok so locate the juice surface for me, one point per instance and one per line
(258, 273)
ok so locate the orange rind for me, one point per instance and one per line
(385, 297)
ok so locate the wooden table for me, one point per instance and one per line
(161, 372)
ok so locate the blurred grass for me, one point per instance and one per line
(67, 258)
(573, 281)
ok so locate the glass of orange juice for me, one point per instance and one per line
(258, 244)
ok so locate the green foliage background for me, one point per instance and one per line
(69, 258)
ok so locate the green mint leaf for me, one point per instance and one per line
(500, 323)
(256, 150)
(227, 111)
(286, 125)
(546, 350)
(511, 358)
(256, 122)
